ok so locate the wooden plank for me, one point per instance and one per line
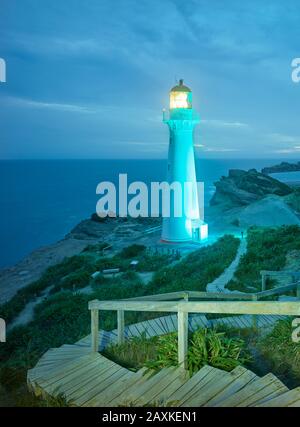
(229, 307)
(163, 324)
(81, 381)
(201, 395)
(75, 377)
(239, 383)
(100, 400)
(257, 390)
(99, 385)
(121, 398)
(281, 273)
(157, 327)
(94, 330)
(147, 388)
(186, 388)
(182, 339)
(289, 398)
(169, 324)
(78, 394)
(182, 376)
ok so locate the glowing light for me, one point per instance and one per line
(179, 100)
(203, 231)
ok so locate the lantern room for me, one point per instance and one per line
(180, 96)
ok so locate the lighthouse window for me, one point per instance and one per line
(179, 100)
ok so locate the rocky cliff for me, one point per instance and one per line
(282, 167)
(241, 188)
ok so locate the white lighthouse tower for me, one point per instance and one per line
(189, 226)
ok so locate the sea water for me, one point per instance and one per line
(42, 200)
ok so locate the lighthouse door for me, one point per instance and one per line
(195, 234)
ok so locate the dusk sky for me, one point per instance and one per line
(89, 79)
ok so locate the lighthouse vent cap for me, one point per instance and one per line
(180, 87)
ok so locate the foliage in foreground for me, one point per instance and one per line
(283, 355)
(267, 250)
(206, 347)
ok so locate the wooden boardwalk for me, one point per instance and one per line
(87, 378)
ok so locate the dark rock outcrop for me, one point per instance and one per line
(242, 188)
(282, 167)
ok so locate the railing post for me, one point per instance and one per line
(182, 338)
(121, 327)
(95, 329)
(263, 282)
(254, 316)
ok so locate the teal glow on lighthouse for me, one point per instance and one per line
(181, 120)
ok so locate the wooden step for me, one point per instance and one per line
(238, 384)
(289, 398)
(99, 384)
(153, 391)
(115, 393)
(263, 388)
(192, 385)
(222, 381)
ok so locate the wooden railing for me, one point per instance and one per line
(280, 273)
(168, 303)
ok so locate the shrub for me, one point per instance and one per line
(281, 352)
(267, 250)
(206, 347)
(132, 251)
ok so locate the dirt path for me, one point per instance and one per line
(219, 284)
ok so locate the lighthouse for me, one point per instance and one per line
(181, 121)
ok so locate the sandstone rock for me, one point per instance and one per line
(242, 188)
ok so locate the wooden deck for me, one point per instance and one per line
(89, 379)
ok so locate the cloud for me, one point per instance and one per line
(214, 123)
(285, 139)
(220, 149)
(28, 103)
(291, 150)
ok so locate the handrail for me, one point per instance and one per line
(280, 273)
(278, 290)
(218, 295)
(290, 308)
(183, 308)
(276, 273)
(167, 303)
(191, 294)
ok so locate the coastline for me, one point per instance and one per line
(117, 232)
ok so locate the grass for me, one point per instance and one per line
(206, 347)
(267, 250)
(281, 353)
(196, 270)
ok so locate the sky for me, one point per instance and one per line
(89, 79)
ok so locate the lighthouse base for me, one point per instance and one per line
(197, 232)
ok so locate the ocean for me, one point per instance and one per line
(42, 200)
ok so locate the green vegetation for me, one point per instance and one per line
(206, 347)
(281, 353)
(134, 353)
(293, 199)
(267, 250)
(196, 270)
